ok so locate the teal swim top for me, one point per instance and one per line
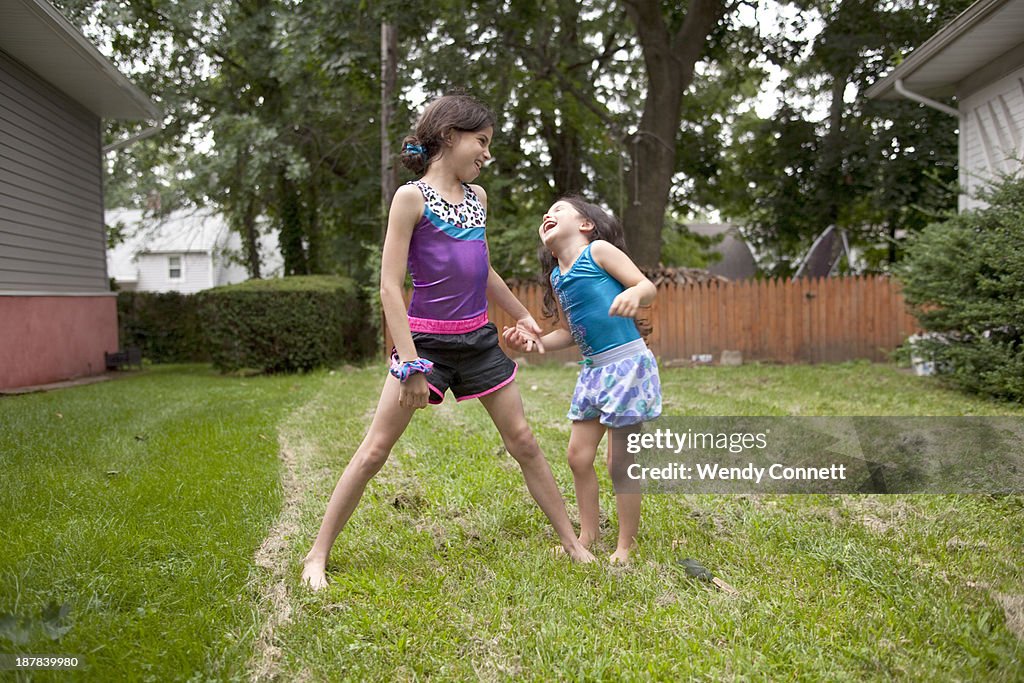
(586, 292)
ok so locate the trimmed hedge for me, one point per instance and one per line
(290, 324)
(965, 280)
(165, 327)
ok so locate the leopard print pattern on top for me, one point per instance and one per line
(470, 213)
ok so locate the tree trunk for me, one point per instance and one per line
(251, 240)
(241, 208)
(649, 177)
(892, 240)
(669, 60)
(564, 141)
(290, 208)
(564, 147)
(832, 152)
(388, 79)
(314, 236)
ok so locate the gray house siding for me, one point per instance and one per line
(52, 237)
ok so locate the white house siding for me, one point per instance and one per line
(991, 134)
(51, 203)
(154, 273)
(226, 270)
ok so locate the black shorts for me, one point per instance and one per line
(470, 364)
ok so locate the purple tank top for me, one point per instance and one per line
(449, 264)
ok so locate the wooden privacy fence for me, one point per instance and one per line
(810, 320)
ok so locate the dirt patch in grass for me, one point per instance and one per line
(273, 555)
(878, 514)
(1013, 609)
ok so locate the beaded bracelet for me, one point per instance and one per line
(405, 370)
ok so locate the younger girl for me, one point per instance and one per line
(444, 341)
(600, 290)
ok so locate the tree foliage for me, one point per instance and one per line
(963, 277)
(878, 170)
(272, 109)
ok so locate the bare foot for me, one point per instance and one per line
(620, 556)
(587, 541)
(313, 574)
(579, 553)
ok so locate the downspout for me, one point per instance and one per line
(946, 109)
(147, 133)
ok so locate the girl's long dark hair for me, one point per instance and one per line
(443, 115)
(606, 227)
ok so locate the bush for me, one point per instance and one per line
(165, 326)
(286, 325)
(964, 279)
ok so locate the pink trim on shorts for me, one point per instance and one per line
(447, 326)
(436, 390)
(494, 388)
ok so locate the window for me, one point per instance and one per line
(174, 267)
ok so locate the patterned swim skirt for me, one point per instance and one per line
(620, 386)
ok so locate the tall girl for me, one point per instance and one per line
(600, 290)
(436, 228)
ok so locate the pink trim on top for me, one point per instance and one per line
(492, 389)
(447, 326)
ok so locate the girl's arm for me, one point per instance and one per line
(406, 208)
(500, 294)
(639, 290)
(555, 340)
(558, 339)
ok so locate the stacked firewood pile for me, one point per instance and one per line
(680, 276)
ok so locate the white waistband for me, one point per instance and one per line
(626, 350)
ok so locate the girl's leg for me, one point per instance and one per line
(389, 422)
(583, 442)
(627, 504)
(505, 407)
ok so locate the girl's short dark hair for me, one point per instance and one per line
(606, 227)
(441, 116)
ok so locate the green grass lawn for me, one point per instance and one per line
(141, 504)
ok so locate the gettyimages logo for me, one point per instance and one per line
(666, 439)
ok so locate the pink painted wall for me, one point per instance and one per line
(52, 338)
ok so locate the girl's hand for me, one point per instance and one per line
(414, 392)
(529, 329)
(518, 340)
(515, 339)
(626, 304)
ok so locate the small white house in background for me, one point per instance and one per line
(979, 59)
(186, 251)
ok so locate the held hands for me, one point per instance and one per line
(516, 339)
(525, 336)
(626, 304)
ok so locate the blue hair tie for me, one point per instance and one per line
(414, 149)
(403, 371)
